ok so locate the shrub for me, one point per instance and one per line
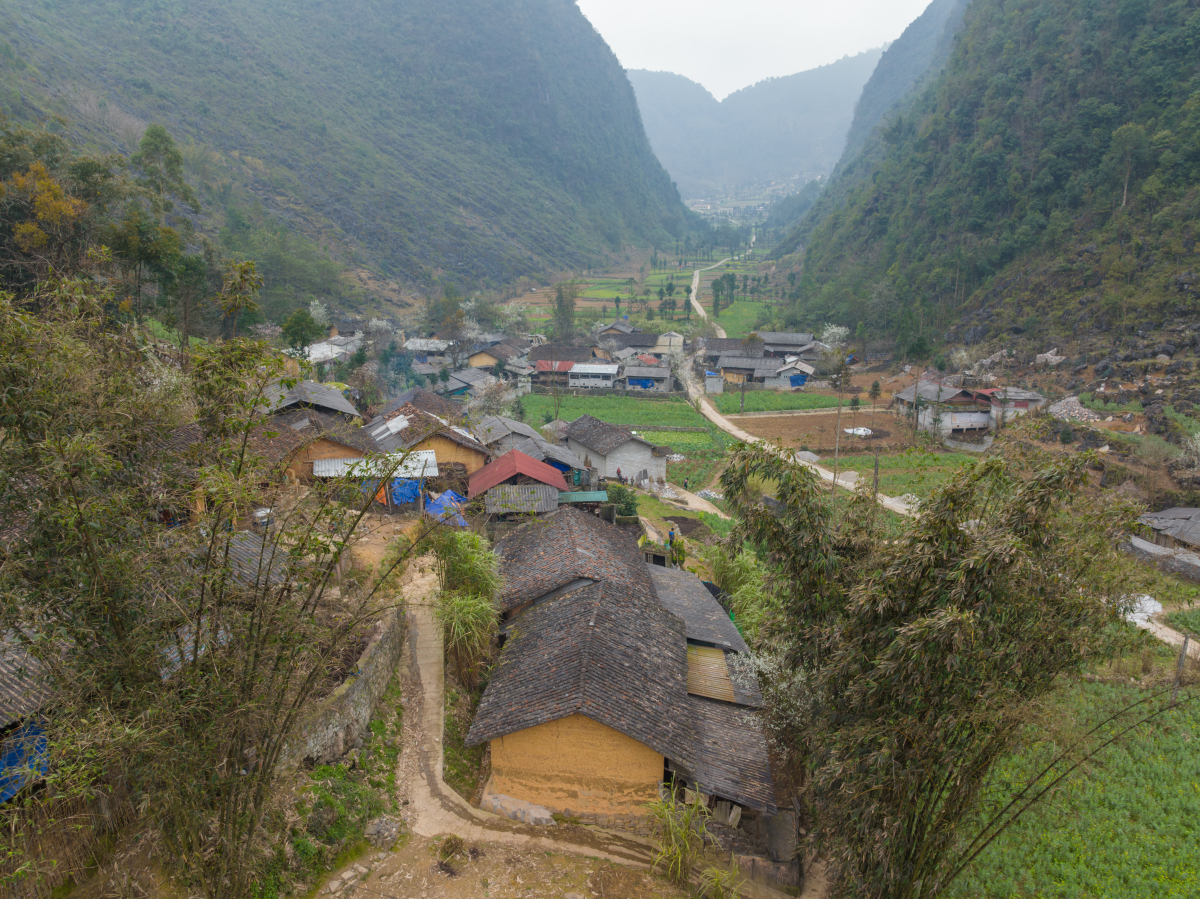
(680, 828)
(623, 498)
(468, 622)
(466, 564)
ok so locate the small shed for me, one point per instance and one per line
(514, 467)
(521, 499)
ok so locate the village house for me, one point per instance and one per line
(654, 379)
(471, 382)
(589, 707)
(617, 327)
(408, 428)
(716, 347)
(1176, 528)
(751, 369)
(548, 373)
(500, 434)
(333, 349)
(506, 352)
(308, 395)
(964, 411)
(592, 375)
(427, 350)
(610, 449)
(426, 401)
(779, 344)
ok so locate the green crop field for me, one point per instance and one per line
(771, 401)
(739, 319)
(624, 410)
(913, 471)
(1124, 827)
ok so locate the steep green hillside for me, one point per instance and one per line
(773, 130)
(1046, 183)
(911, 61)
(472, 142)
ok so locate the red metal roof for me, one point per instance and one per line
(649, 360)
(513, 463)
(547, 365)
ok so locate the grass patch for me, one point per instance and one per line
(461, 763)
(1186, 621)
(638, 412)
(1089, 401)
(1125, 828)
(740, 318)
(913, 471)
(730, 403)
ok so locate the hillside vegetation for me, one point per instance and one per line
(1045, 183)
(471, 143)
(909, 62)
(773, 130)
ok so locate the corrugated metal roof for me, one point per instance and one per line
(23, 685)
(584, 496)
(581, 368)
(708, 675)
(522, 498)
(510, 464)
(416, 464)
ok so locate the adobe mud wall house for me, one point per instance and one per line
(502, 434)
(608, 448)
(409, 428)
(590, 706)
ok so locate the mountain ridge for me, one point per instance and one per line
(772, 130)
(471, 147)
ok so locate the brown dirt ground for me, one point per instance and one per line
(817, 431)
(496, 871)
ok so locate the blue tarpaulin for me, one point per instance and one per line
(561, 466)
(24, 759)
(405, 490)
(446, 508)
(644, 383)
(710, 374)
(799, 380)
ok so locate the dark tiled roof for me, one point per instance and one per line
(426, 402)
(272, 440)
(543, 555)
(730, 756)
(308, 393)
(786, 338)
(496, 427)
(560, 352)
(633, 340)
(598, 435)
(23, 685)
(733, 346)
(644, 371)
(540, 449)
(310, 424)
(682, 593)
(616, 657)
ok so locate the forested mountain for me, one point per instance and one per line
(470, 142)
(914, 58)
(1046, 183)
(773, 130)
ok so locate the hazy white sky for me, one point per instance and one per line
(730, 44)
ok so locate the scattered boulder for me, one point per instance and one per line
(517, 810)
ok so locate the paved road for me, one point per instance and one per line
(846, 480)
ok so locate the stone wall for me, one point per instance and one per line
(338, 723)
(1174, 561)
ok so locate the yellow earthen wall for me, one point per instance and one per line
(301, 464)
(449, 451)
(578, 764)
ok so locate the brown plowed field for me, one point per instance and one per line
(816, 431)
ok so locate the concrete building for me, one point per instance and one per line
(591, 375)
